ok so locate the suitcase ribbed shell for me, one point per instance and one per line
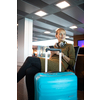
(55, 86)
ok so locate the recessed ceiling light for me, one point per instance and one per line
(63, 4)
(41, 13)
(47, 32)
(73, 27)
(67, 36)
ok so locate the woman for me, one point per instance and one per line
(33, 65)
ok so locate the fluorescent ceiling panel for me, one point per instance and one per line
(73, 27)
(41, 13)
(63, 4)
(47, 32)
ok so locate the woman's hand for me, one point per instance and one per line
(54, 52)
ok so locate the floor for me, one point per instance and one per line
(22, 92)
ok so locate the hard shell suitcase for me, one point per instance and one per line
(55, 86)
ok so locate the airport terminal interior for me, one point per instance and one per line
(37, 22)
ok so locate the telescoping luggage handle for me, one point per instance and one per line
(46, 54)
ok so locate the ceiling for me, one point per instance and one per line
(56, 17)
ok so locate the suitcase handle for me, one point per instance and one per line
(52, 49)
(46, 61)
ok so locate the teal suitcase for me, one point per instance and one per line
(55, 86)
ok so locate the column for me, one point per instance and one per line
(25, 30)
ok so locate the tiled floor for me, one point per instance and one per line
(22, 92)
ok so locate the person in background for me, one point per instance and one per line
(33, 65)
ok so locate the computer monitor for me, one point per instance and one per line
(80, 43)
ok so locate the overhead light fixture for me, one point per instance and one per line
(47, 32)
(73, 27)
(41, 13)
(67, 36)
(63, 4)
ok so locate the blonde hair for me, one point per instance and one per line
(59, 29)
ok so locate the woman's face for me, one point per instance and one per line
(61, 35)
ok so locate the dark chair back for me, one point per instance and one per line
(76, 54)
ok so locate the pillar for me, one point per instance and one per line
(25, 30)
